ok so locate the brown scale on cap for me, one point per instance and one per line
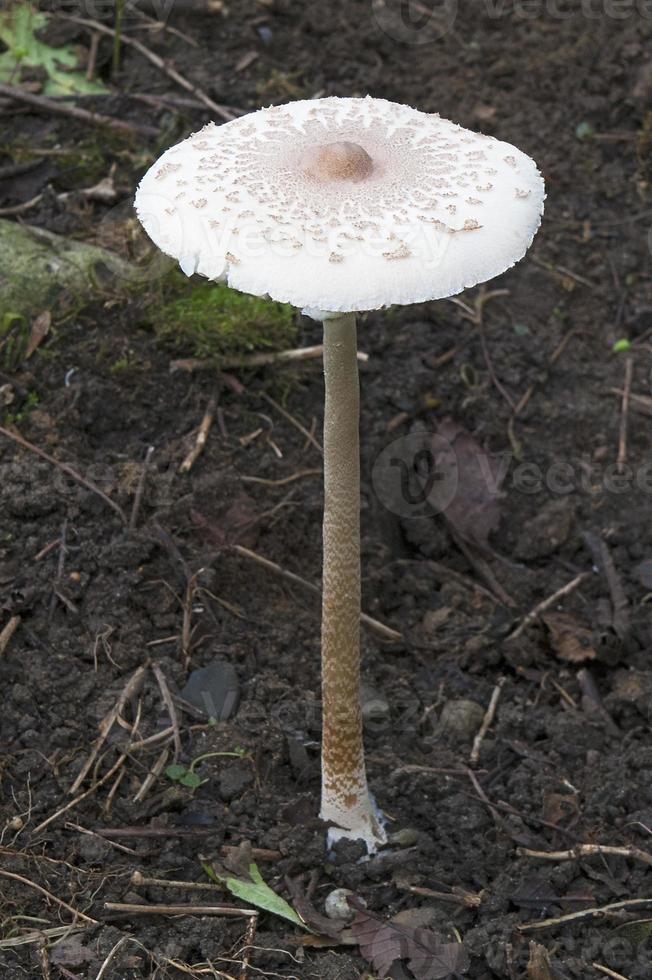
(338, 161)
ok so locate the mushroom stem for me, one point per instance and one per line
(346, 801)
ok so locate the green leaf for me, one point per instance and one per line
(18, 26)
(190, 779)
(257, 892)
(176, 772)
(621, 346)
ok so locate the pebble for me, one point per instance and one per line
(461, 718)
(233, 783)
(337, 907)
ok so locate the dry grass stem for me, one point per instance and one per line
(386, 632)
(486, 722)
(201, 438)
(7, 632)
(50, 897)
(547, 603)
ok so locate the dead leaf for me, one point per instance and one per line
(384, 943)
(559, 806)
(247, 59)
(40, 330)
(569, 639)
(232, 524)
(474, 478)
(70, 952)
(534, 892)
(539, 966)
(303, 904)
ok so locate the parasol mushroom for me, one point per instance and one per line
(338, 206)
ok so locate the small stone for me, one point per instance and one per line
(337, 907)
(461, 718)
(434, 618)
(406, 837)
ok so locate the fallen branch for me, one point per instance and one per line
(63, 109)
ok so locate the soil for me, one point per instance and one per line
(567, 759)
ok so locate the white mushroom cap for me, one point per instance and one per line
(343, 204)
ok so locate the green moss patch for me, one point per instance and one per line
(209, 320)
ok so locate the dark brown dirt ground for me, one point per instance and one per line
(560, 765)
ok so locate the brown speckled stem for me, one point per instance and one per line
(345, 797)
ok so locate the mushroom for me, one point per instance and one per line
(339, 206)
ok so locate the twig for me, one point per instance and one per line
(281, 483)
(129, 909)
(65, 469)
(291, 419)
(7, 632)
(52, 898)
(92, 56)
(21, 208)
(274, 357)
(249, 938)
(63, 109)
(486, 722)
(457, 895)
(607, 972)
(603, 559)
(152, 776)
(583, 914)
(386, 632)
(482, 567)
(105, 778)
(37, 935)
(126, 833)
(91, 833)
(547, 603)
(621, 461)
(156, 60)
(135, 510)
(169, 704)
(587, 850)
(202, 436)
(140, 881)
(129, 691)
